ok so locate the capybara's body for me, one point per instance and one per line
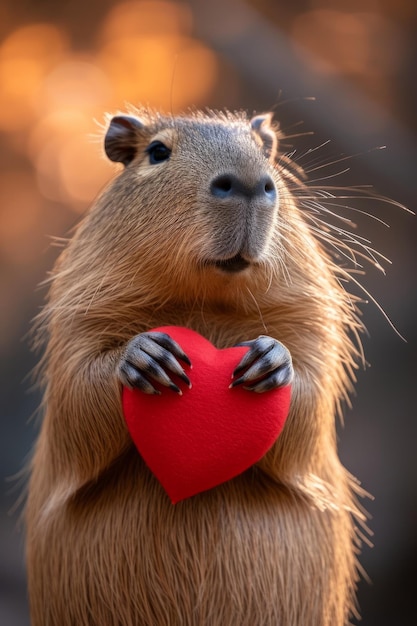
(200, 229)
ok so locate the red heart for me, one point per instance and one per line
(211, 433)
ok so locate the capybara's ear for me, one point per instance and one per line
(262, 127)
(120, 142)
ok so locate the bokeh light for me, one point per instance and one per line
(363, 46)
(26, 57)
(53, 97)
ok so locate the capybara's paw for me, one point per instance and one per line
(147, 357)
(267, 365)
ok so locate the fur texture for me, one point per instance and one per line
(276, 546)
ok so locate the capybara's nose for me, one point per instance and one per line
(230, 186)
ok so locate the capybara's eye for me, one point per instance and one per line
(158, 152)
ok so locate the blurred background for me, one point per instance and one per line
(337, 70)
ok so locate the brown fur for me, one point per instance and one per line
(275, 546)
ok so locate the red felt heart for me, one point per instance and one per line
(211, 433)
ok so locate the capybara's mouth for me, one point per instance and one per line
(233, 265)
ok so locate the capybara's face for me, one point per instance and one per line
(204, 190)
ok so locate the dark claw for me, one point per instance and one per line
(170, 345)
(276, 379)
(258, 347)
(267, 365)
(148, 355)
(131, 377)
